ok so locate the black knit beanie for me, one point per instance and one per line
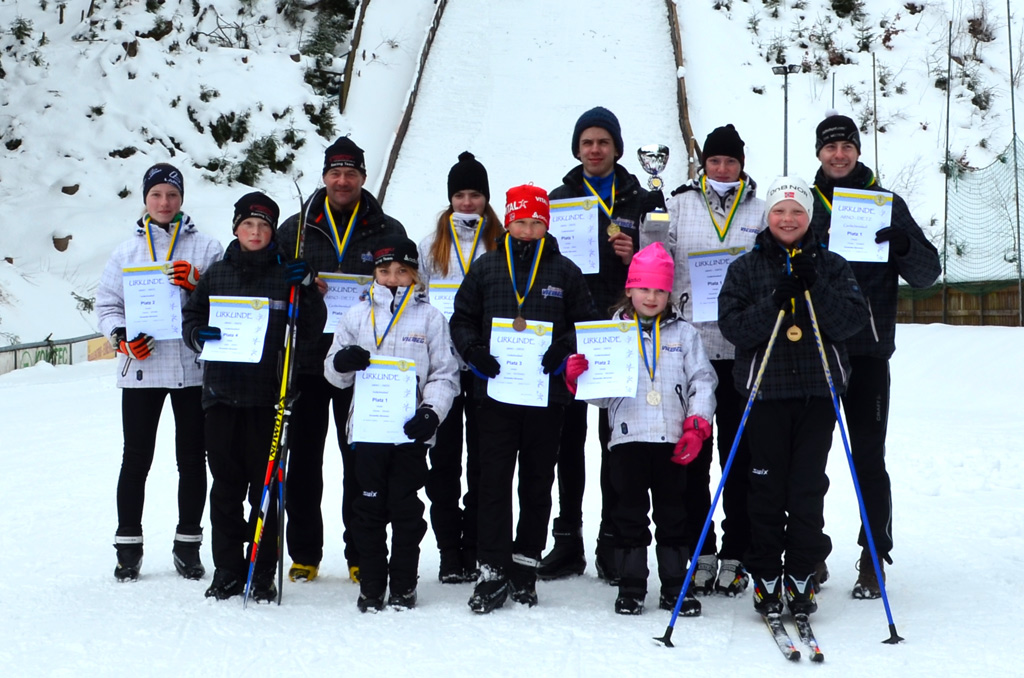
(723, 141)
(258, 205)
(396, 248)
(344, 153)
(468, 174)
(834, 128)
(598, 117)
(162, 173)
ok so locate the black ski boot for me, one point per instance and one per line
(402, 601)
(452, 570)
(370, 603)
(672, 572)
(566, 558)
(767, 595)
(129, 557)
(522, 579)
(491, 590)
(264, 588)
(226, 584)
(604, 561)
(799, 592)
(632, 564)
(186, 555)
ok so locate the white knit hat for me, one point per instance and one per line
(789, 188)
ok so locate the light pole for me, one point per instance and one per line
(784, 70)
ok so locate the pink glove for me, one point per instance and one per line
(575, 365)
(695, 431)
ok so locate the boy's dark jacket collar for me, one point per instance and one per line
(859, 177)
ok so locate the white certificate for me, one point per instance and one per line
(152, 305)
(707, 273)
(343, 292)
(383, 400)
(611, 350)
(243, 329)
(574, 224)
(442, 296)
(522, 380)
(856, 217)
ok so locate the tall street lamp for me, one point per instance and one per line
(784, 70)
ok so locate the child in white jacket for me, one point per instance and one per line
(655, 434)
(396, 321)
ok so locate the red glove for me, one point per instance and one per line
(139, 348)
(183, 274)
(695, 431)
(575, 365)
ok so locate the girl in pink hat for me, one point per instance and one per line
(655, 433)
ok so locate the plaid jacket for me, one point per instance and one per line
(684, 378)
(171, 364)
(690, 230)
(631, 204)
(420, 334)
(370, 227)
(559, 296)
(747, 314)
(251, 274)
(920, 266)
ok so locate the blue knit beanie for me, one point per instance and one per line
(598, 117)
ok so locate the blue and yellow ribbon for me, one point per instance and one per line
(463, 262)
(607, 210)
(174, 237)
(340, 242)
(534, 267)
(394, 317)
(651, 365)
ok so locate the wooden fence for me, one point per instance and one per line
(958, 307)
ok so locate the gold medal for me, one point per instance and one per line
(653, 398)
(613, 230)
(519, 324)
(794, 333)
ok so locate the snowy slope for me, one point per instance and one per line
(958, 491)
(511, 94)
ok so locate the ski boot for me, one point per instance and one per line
(768, 595)
(867, 586)
(566, 558)
(129, 557)
(704, 574)
(491, 590)
(299, 572)
(226, 584)
(522, 579)
(732, 578)
(402, 601)
(186, 555)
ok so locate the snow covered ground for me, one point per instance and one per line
(954, 454)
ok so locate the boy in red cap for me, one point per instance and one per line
(668, 424)
(524, 280)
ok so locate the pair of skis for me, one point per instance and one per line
(774, 622)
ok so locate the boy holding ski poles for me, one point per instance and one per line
(239, 397)
(790, 425)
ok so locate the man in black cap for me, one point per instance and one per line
(866, 402)
(343, 226)
(622, 204)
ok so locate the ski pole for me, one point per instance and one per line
(667, 638)
(893, 636)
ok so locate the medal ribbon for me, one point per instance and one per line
(652, 365)
(721, 230)
(789, 269)
(606, 209)
(394, 318)
(476, 240)
(534, 267)
(340, 242)
(825, 201)
(149, 238)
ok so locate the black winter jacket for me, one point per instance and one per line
(920, 266)
(632, 202)
(370, 227)
(559, 296)
(747, 314)
(251, 274)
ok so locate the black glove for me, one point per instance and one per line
(899, 242)
(201, 335)
(803, 269)
(298, 273)
(482, 362)
(787, 288)
(554, 359)
(351, 359)
(422, 425)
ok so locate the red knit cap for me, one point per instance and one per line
(527, 202)
(652, 267)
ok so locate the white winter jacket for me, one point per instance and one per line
(421, 334)
(172, 364)
(684, 378)
(691, 230)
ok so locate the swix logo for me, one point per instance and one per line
(371, 494)
(759, 471)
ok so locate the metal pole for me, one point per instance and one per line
(945, 208)
(1016, 171)
(874, 104)
(785, 123)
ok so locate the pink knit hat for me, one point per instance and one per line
(652, 267)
